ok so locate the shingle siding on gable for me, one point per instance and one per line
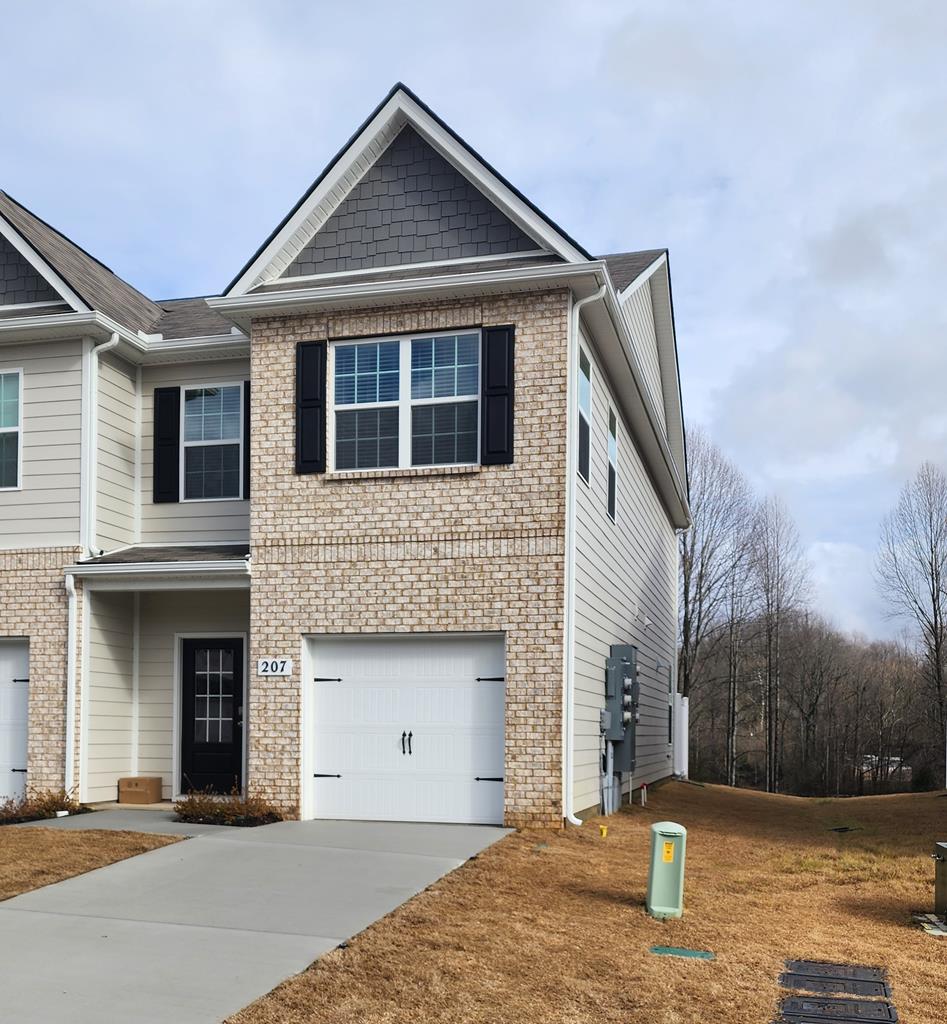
(19, 282)
(411, 207)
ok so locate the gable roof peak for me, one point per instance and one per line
(400, 107)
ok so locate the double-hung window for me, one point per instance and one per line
(11, 428)
(612, 462)
(399, 403)
(585, 415)
(212, 441)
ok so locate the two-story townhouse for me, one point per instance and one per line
(359, 534)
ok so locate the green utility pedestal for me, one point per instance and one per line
(666, 877)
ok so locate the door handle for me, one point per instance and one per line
(403, 735)
(409, 741)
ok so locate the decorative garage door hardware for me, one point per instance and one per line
(325, 775)
(486, 778)
(803, 1010)
(19, 771)
(404, 736)
(20, 680)
(327, 679)
(491, 679)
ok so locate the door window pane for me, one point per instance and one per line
(213, 695)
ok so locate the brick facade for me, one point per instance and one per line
(39, 613)
(418, 551)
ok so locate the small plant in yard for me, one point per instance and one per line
(206, 808)
(38, 806)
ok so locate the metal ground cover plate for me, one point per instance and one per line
(823, 969)
(802, 1009)
(834, 986)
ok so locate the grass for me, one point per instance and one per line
(34, 857)
(550, 927)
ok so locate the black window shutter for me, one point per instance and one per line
(246, 439)
(496, 396)
(311, 407)
(167, 445)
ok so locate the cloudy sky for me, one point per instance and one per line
(792, 156)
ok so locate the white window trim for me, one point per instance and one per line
(184, 445)
(405, 402)
(18, 429)
(588, 418)
(612, 415)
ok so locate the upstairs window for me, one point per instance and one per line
(406, 402)
(11, 430)
(585, 415)
(612, 462)
(212, 441)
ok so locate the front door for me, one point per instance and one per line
(212, 716)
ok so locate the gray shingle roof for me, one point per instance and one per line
(189, 318)
(624, 267)
(170, 553)
(91, 280)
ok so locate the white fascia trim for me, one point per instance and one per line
(398, 111)
(40, 265)
(460, 261)
(227, 567)
(209, 346)
(86, 322)
(642, 277)
(287, 300)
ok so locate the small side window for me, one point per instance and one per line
(585, 415)
(11, 429)
(612, 462)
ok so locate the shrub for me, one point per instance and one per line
(38, 806)
(206, 808)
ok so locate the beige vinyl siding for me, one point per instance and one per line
(109, 701)
(45, 511)
(162, 615)
(639, 313)
(117, 445)
(187, 521)
(625, 593)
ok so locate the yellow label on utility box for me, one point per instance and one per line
(668, 853)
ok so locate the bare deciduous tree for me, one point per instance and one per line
(781, 580)
(911, 569)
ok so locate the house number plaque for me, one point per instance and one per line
(274, 667)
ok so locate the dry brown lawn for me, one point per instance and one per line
(33, 857)
(545, 928)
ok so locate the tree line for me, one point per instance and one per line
(782, 700)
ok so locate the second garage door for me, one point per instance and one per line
(407, 728)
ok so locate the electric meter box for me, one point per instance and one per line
(622, 694)
(666, 876)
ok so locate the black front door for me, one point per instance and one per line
(212, 715)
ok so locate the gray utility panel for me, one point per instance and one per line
(803, 1009)
(622, 694)
(940, 880)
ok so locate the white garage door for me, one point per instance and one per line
(14, 683)
(407, 728)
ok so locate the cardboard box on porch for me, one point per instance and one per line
(145, 789)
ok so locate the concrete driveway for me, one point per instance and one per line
(193, 932)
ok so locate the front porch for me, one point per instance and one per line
(163, 674)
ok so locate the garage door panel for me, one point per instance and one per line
(390, 687)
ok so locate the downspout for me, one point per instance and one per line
(568, 775)
(70, 776)
(91, 452)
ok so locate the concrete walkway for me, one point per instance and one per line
(194, 931)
